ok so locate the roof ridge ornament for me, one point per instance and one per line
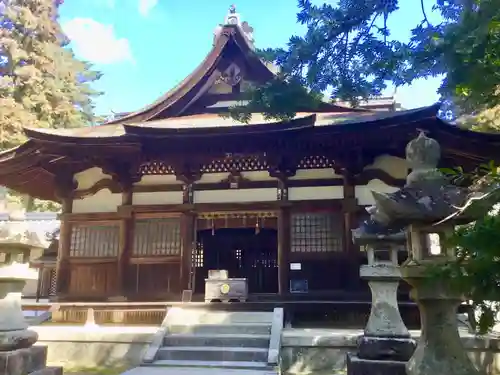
(234, 18)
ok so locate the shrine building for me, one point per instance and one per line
(154, 199)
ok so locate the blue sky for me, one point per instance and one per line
(145, 47)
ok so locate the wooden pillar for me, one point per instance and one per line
(188, 221)
(39, 283)
(62, 265)
(126, 239)
(282, 170)
(188, 176)
(349, 208)
(283, 250)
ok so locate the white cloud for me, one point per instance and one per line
(145, 6)
(97, 42)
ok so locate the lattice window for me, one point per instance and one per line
(316, 233)
(239, 164)
(155, 168)
(52, 283)
(98, 240)
(157, 237)
(315, 162)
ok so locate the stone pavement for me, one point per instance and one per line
(194, 371)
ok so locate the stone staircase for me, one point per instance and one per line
(202, 339)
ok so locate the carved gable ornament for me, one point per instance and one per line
(231, 76)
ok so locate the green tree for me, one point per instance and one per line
(42, 84)
(348, 50)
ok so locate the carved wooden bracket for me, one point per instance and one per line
(124, 173)
(282, 169)
(234, 179)
(188, 174)
(65, 185)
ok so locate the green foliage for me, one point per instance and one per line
(472, 57)
(273, 99)
(349, 50)
(476, 271)
(42, 84)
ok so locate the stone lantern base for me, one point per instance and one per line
(18, 356)
(386, 345)
(27, 361)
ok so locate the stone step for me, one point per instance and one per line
(210, 353)
(48, 371)
(202, 316)
(209, 329)
(209, 364)
(219, 340)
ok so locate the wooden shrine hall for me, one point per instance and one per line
(154, 199)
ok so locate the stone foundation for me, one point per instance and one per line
(359, 366)
(324, 351)
(27, 361)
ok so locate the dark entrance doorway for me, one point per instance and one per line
(243, 252)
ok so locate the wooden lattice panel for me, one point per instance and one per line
(239, 164)
(315, 162)
(316, 233)
(155, 168)
(157, 237)
(95, 240)
(52, 283)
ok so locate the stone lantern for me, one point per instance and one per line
(18, 356)
(427, 207)
(386, 344)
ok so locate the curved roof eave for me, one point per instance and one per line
(282, 126)
(47, 136)
(206, 66)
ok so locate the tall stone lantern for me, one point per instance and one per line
(386, 344)
(427, 207)
(18, 355)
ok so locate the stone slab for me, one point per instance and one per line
(23, 361)
(358, 366)
(48, 371)
(194, 371)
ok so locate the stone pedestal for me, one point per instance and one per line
(386, 344)
(439, 350)
(18, 356)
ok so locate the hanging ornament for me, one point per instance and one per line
(257, 227)
(213, 227)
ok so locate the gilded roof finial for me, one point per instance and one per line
(232, 9)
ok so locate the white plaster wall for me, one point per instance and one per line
(162, 197)
(236, 195)
(158, 180)
(102, 201)
(213, 177)
(89, 178)
(307, 174)
(364, 192)
(394, 166)
(258, 176)
(315, 193)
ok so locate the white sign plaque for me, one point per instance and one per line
(295, 266)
